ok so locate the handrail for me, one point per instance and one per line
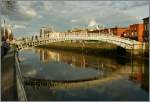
(20, 89)
(104, 37)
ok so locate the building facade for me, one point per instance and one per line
(119, 31)
(6, 33)
(105, 31)
(135, 32)
(44, 31)
(146, 29)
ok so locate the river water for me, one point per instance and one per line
(59, 75)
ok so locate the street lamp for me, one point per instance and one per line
(98, 29)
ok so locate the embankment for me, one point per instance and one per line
(92, 48)
(89, 48)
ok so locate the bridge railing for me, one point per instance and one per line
(87, 36)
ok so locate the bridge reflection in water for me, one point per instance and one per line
(106, 71)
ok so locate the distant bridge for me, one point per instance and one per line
(57, 37)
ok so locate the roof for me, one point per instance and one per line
(119, 27)
(136, 24)
(147, 18)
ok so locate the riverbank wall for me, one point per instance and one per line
(84, 47)
(8, 77)
(96, 48)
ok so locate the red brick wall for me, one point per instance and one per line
(120, 31)
(136, 28)
(140, 32)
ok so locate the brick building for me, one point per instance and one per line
(146, 29)
(135, 31)
(119, 31)
(105, 31)
(115, 31)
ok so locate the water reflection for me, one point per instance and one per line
(140, 75)
(79, 60)
(74, 68)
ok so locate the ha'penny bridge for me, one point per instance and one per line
(58, 37)
(125, 43)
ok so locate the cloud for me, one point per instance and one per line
(16, 26)
(46, 5)
(39, 16)
(19, 11)
(74, 20)
(122, 5)
(64, 15)
(31, 13)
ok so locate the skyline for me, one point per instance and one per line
(30, 16)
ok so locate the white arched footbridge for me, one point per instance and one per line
(57, 37)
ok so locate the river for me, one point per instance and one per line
(60, 75)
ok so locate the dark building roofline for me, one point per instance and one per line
(136, 24)
(145, 18)
(119, 27)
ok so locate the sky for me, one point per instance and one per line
(27, 17)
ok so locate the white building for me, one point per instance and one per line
(44, 31)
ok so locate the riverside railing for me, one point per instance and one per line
(19, 80)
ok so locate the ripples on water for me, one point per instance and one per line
(60, 75)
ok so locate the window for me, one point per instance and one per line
(135, 34)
